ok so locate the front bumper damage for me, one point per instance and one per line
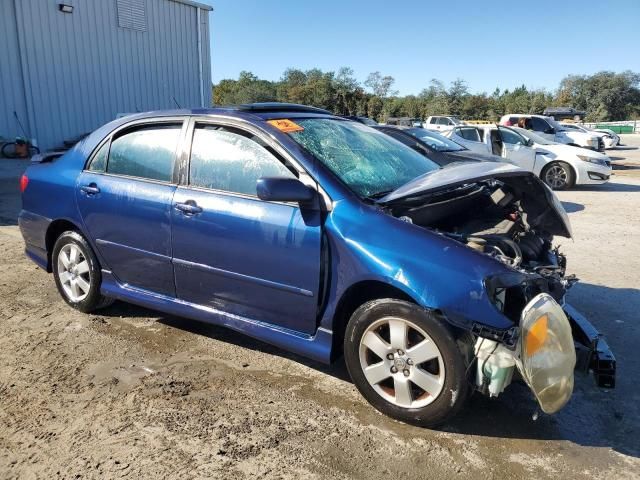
(551, 342)
(592, 351)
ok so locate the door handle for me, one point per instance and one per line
(189, 207)
(90, 189)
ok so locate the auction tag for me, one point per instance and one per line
(286, 126)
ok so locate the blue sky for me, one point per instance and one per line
(487, 43)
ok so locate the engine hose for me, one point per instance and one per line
(501, 242)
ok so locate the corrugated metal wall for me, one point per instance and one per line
(12, 97)
(70, 73)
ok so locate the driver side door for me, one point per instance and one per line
(233, 251)
(515, 149)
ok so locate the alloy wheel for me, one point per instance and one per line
(74, 272)
(401, 362)
(556, 177)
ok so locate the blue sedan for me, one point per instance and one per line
(325, 237)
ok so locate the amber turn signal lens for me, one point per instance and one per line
(536, 336)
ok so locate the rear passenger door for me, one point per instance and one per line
(234, 252)
(124, 197)
(515, 149)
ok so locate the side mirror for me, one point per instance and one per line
(284, 189)
(550, 131)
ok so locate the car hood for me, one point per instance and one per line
(451, 176)
(577, 134)
(541, 204)
(567, 151)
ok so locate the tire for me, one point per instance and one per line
(77, 273)
(437, 365)
(558, 176)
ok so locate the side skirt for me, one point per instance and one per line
(316, 347)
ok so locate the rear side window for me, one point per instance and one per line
(469, 134)
(99, 161)
(146, 152)
(231, 160)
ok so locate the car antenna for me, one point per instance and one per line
(15, 114)
(175, 101)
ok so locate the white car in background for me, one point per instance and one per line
(609, 137)
(548, 128)
(441, 123)
(559, 166)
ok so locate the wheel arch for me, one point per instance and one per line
(352, 298)
(548, 165)
(54, 230)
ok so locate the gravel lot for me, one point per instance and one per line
(133, 393)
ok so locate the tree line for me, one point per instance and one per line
(604, 96)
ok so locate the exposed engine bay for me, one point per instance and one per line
(508, 220)
(513, 217)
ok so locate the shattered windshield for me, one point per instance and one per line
(370, 162)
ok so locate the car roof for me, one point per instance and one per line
(264, 110)
(525, 115)
(250, 112)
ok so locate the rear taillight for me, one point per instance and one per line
(24, 181)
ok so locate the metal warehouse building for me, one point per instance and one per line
(69, 66)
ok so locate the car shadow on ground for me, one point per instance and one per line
(621, 148)
(609, 187)
(594, 417)
(572, 207)
(223, 334)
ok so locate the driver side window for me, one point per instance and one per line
(231, 160)
(539, 125)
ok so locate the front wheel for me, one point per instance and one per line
(559, 176)
(77, 273)
(405, 362)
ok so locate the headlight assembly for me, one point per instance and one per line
(547, 352)
(586, 158)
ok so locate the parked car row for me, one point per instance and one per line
(560, 166)
(326, 237)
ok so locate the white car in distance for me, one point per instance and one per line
(609, 137)
(560, 166)
(548, 128)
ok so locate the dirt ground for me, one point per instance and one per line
(134, 393)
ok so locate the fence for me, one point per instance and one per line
(628, 126)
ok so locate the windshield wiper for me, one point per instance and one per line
(378, 195)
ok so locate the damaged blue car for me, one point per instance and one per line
(325, 237)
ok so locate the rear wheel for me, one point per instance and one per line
(559, 176)
(405, 362)
(77, 273)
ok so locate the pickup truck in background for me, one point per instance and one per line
(442, 123)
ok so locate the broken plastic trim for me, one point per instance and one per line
(509, 337)
(592, 350)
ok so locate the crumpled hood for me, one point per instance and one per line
(452, 176)
(543, 208)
